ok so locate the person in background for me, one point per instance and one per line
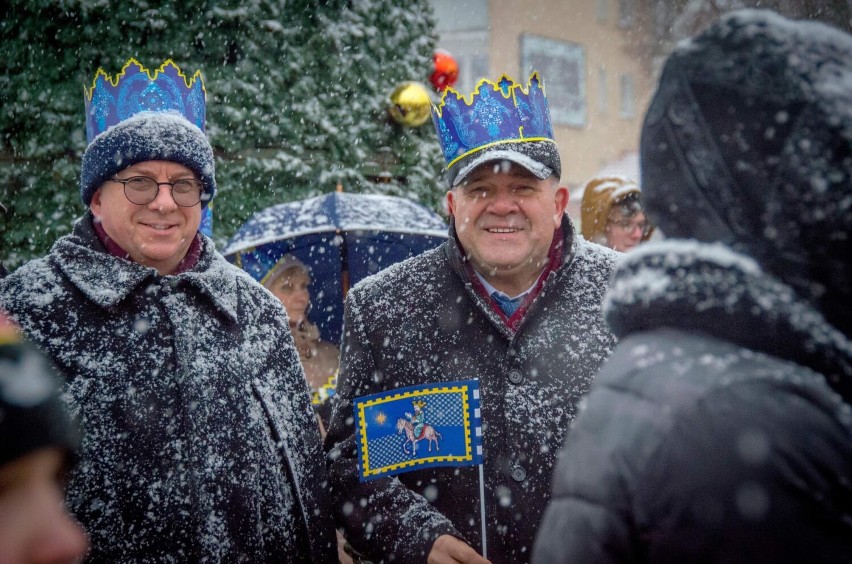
(290, 281)
(38, 444)
(721, 428)
(199, 440)
(511, 299)
(611, 214)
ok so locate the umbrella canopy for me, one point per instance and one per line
(341, 237)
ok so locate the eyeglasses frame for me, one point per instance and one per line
(629, 226)
(171, 186)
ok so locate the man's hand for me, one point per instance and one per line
(447, 549)
(342, 555)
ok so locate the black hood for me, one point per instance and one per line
(747, 141)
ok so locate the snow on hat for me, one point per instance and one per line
(503, 121)
(139, 116)
(32, 416)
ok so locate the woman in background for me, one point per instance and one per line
(290, 281)
(612, 214)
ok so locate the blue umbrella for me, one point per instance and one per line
(342, 237)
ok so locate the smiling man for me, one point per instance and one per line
(198, 433)
(155, 227)
(513, 300)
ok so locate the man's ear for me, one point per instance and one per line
(95, 204)
(451, 204)
(561, 198)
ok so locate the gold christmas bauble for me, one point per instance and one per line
(410, 104)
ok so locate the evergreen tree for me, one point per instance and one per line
(296, 100)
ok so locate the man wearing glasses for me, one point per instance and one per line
(199, 442)
(154, 226)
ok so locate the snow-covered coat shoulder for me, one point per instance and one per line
(715, 432)
(199, 438)
(422, 321)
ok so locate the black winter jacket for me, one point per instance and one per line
(422, 321)
(721, 429)
(199, 440)
(712, 433)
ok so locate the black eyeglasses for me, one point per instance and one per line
(630, 226)
(142, 190)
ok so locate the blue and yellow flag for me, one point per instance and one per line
(418, 427)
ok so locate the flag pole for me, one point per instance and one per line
(482, 511)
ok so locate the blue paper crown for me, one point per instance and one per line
(135, 89)
(502, 112)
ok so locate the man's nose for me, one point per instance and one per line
(503, 202)
(164, 199)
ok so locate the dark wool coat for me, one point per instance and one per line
(711, 434)
(199, 438)
(422, 321)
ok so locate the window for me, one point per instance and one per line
(628, 100)
(602, 11)
(463, 31)
(626, 13)
(603, 93)
(452, 15)
(562, 67)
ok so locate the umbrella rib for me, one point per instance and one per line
(246, 246)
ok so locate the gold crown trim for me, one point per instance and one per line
(439, 107)
(189, 82)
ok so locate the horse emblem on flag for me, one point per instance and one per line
(389, 426)
(416, 429)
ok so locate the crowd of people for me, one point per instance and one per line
(686, 399)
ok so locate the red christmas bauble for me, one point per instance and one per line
(445, 71)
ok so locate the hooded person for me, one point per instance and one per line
(512, 299)
(198, 434)
(38, 445)
(720, 429)
(611, 213)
